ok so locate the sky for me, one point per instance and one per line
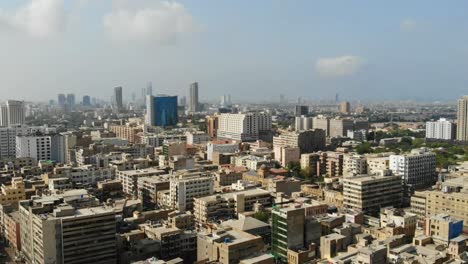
(253, 50)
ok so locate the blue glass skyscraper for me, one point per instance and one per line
(161, 110)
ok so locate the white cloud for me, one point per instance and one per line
(338, 66)
(408, 25)
(40, 18)
(163, 23)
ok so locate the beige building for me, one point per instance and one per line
(129, 179)
(442, 228)
(148, 188)
(183, 188)
(370, 193)
(53, 231)
(210, 208)
(129, 132)
(287, 154)
(226, 246)
(378, 165)
(307, 141)
(10, 226)
(339, 127)
(354, 164)
(322, 122)
(462, 119)
(13, 193)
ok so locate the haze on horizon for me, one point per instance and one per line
(362, 50)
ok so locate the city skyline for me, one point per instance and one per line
(390, 52)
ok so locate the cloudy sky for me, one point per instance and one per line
(251, 49)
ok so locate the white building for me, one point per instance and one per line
(244, 126)
(440, 129)
(197, 137)
(12, 113)
(417, 168)
(36, 147)
(303, 123)
(221, 147)
(185, 187)
(354, 165)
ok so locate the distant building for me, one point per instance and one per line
(212, 123)
(161, 111)
(339, 127)
(185, 187)
(322, 122)
(36, 147)
(440, 129)
(303, 123)
(307, 141)
(462, 119)
(193, 102)
(345, 107)
(118, 100)
(12, 113)
(301, 110)
(86, 100)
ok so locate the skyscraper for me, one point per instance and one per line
(61, 99)
(12, 113)
(161, 110)
(149, 88)
(462, 119)
(118, 102)
(86, 100)
(71, 100)
(301, 110)
(193, 104)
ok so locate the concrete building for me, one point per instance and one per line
(339, 127)
(185, 187)
(307, 141)
(197, 137)
(36, 147)
(118, 98)
(55, 232)
(286, 155)
(354, 165)
(244, 126)
(440, 129)
(345, 107)
(442, 228)
(462, 119)
(416, 169)
(10, 228)
(322, 122)
(227, 246)
(194, 105)
(378, 165)
(149, 187)
(221, 146)
(161, 111)
(225, 206)
(302, 123)
(12, 113)
(287, 230)
(129, 179)
(311, 162)
(370, 193)
(12, 194)
(129, 132)
(301, 110)
(212, 124)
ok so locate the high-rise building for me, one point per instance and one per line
(307, 141)
(417, 168)
(36, 147)
(339, 127)
(322, 122)
(370, 193)
(301, 110)
(118, 100)
(212, 125)
(345, 107)
(53, 231)
(193, 104)
(86, 100)
(462, 119)
(12, 113)
(244, 126)
(71, 100)
(61, 99)
(287, 230)
(440, 129)
(303, 123)
(149, 88)
(184, 188)
(161, 110)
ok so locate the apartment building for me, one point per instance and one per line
(417, 168)
(129, 179)
(441, 129)
(149, 187)
(13, 193)
(36, 147)
(185, 187)
(130, 132)
(307, 141)
(244, 126)
(210, 208)
(339, 127)
(354, 164)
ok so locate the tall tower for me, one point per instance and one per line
(118, 102)
(462, 119)
(193, 104)
(149, 88)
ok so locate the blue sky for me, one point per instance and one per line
(254, 50)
